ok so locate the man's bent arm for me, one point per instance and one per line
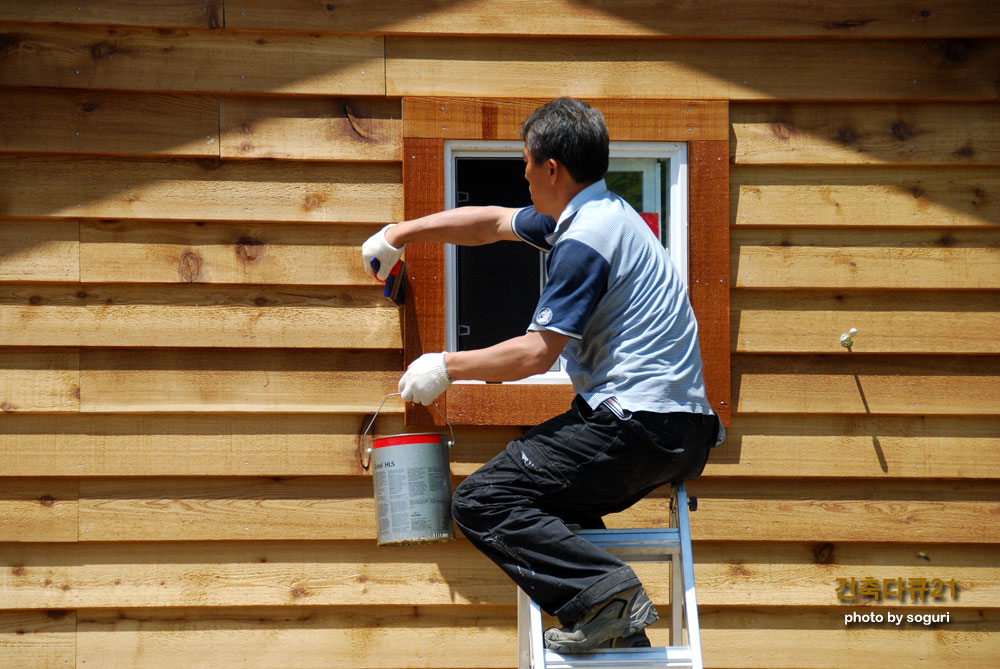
(465, 226)
(516, 358)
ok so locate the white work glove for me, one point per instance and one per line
(425, 379)
(379, 255)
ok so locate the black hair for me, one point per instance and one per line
(573, 133)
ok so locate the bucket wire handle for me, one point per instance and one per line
(366, 448)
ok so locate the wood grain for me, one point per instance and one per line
(847, 447)
(105, 122)
(38, 509)
(35, 379)
(198, 189)
(39, 250)
(322, 508)
(308, 128)
(875, 196)
(125, 58)
(198, 316)
(178, 13)
(923, 259)
(692, 69)
(623, 17)
(247, 380)
(37, 638)
(914, 322)
(361, 574)
(878, 384)
(316, 254)
(631, 120)
(865, 133)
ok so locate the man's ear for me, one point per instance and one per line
(554, 168)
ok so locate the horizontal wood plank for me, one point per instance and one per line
(787, 637)
(79, 56)
(872, 259)
(185, 509)
(37, 638)
(308, 128)
(198, 316)
(243, 380)
(871, 196)
(864, 133)
(692, 69)
(371, 637)
(39, 250)
(615, 18)
(198, 189)
(38, 509)
(229, 253)
(73, 121)
(853, 384)
(483, 636)
(506, 404)
(361, 574)
(849, 447)
(206, 444)
(34, 379)
(632, 120)
(175, 13)
(917, 322)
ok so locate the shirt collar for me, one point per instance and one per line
(594, 191)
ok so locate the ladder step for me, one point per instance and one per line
(670, 656)
(637, 545)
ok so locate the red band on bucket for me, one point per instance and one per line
(405, 439)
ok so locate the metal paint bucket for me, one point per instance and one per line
(412, 481)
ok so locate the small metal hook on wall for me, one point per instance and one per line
(847, 339)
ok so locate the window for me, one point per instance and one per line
(434, 128)
(491, 291)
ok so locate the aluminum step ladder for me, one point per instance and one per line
(668, 544)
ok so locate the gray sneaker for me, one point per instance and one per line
(621, 615)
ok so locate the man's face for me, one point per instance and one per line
(539, 183)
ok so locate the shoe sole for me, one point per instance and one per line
(638, 619)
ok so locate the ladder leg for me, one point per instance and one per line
(523, 630)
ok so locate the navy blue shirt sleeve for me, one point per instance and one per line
(533, 227)
(577, 277)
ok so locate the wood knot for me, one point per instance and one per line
(947, 240)
(10, 42)
(902, 131)
(47, 500)
(314, 201)
(7, 407)
(330, 7)
(81, 294)
(88, 107)
(783, 130)
(102, 50)
(298, 593)
(738, 570)
(823, 553)
(35, 300)
(17, 571)
(209, 163)
(917, 192)
(957, 51)
(847, 24)
(965, 152)
(189, 266)
(249, 250)
(260, 301)
(353, 121)
(847, 135)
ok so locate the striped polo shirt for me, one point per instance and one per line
(611, 288)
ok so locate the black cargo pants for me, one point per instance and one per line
(572, 470)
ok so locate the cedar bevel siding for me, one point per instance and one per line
(188, 344)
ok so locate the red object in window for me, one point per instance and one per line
(653, 221)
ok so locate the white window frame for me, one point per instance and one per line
(677, 219)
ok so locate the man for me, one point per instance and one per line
(614, 306)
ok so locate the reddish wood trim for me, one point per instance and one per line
(507, 404)
(708, 261)
(427, 121)
(627, 120)
(423, 193)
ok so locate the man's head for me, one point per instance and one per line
(572, 133)
(565, 150)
